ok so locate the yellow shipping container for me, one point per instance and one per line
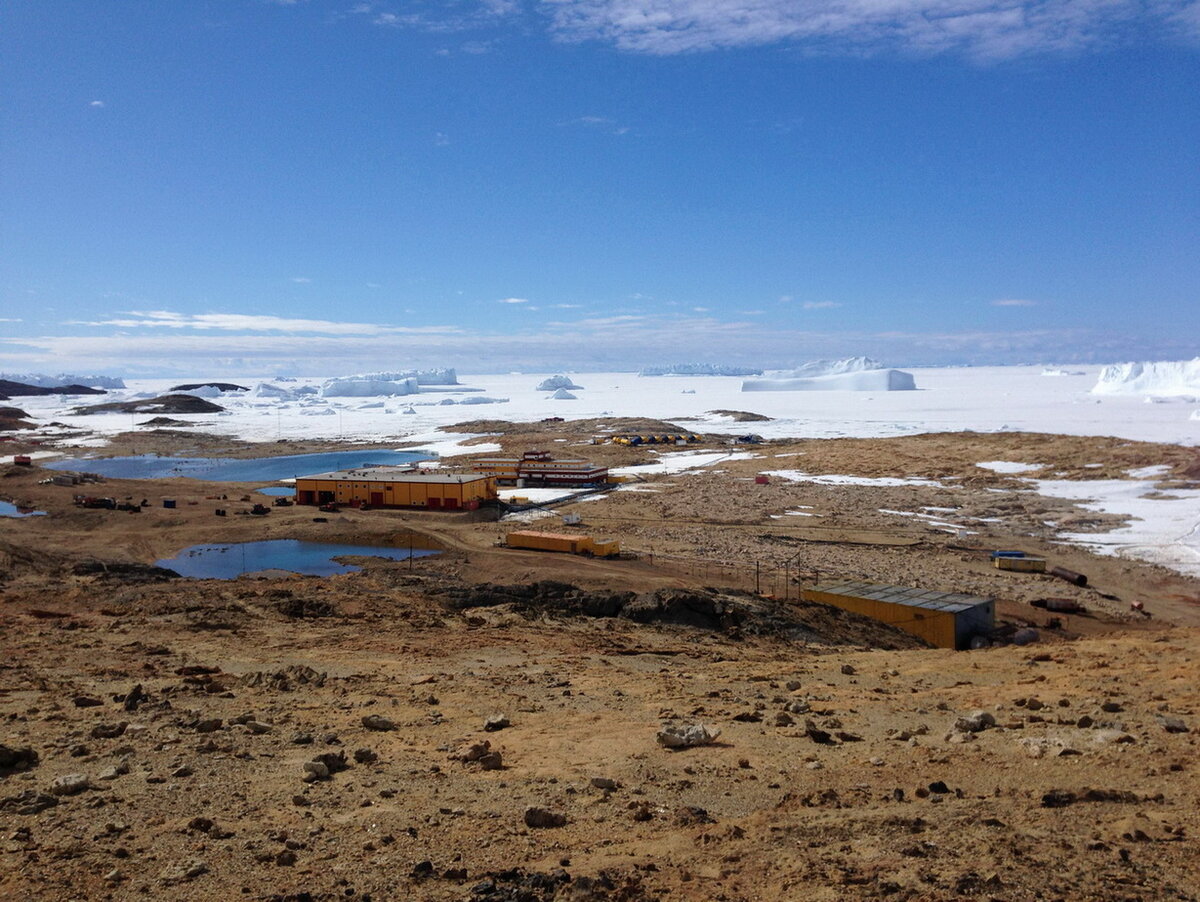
(1021, 564)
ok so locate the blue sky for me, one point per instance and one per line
(324, 187)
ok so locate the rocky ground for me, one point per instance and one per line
(498, 725)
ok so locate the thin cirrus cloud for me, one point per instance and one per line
(986, 29)
(1014, 302)
(513, 301)
(820, 305)
(240, 322)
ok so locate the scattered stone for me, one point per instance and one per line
(79, 750)
(793, 685)
(819, 736)
(302, 739)
(135, 697)
(208, 725)
(783, 719)
(848, 670)
(181, 772)
(182, 872)
(70, 784)
(687, 736)
(365, 756)
(541, 818)
(14, 760)
(496, 722)
(109, 730)
(378, 722)
(315, 770)
(604, 783)
(1111, 707)
(472, 752)
(1173, 724)
(975, 722)
(687, 815)
(491, 761)
(257, 727)
(29, 802)
(286, 858)
(85, 701)
(120, 769)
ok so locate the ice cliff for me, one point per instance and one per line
(1163, 378)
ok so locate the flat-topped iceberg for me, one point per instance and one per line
(851, 374)
(369, 386)
(1164, 378)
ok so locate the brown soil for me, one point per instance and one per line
(838, 773)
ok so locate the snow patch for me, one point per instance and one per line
(834, 479)
(1008, 466)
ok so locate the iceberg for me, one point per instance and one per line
(41, 380)
(555, 383)
(369, 386)
(563, 395)
(1163, 378)
(851, 374)
(446, 376)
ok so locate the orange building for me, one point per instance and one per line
(392, 487)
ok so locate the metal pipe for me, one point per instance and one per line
(1070, 576)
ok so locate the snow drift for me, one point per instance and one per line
(851, 374)
(1165, 378)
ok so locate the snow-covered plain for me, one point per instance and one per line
(982, 399)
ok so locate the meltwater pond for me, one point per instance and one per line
(230, 560)
(222, 469)
(8, 509)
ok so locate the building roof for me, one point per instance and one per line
(948, 602)
(392, 474)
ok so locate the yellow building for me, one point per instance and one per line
(392, 487)
(567, 543)
(944, 619)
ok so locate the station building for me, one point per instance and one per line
(397, 487)
(538, 468)
(944, 619)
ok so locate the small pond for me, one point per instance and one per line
(222, 469)
(281, 491)
(8, 509)
(229, 560)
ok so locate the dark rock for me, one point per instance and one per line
(378, 723)
(365, 756)
(13, 760)
(29, 802)
(85, 701)
(109, 730)
(541, 818)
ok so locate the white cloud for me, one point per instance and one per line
(7, 320)
(97, 103)
(301, 280)
(440, 139)
(513, 301)
(985, 29)
(1014, 302)
(820, 305)
(241, 322)
(700, 309)
(565, 306)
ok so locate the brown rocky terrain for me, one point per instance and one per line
(491, 724)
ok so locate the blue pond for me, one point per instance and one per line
(8, 509)
(230, 560)
(217, 469)
(283, 491)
